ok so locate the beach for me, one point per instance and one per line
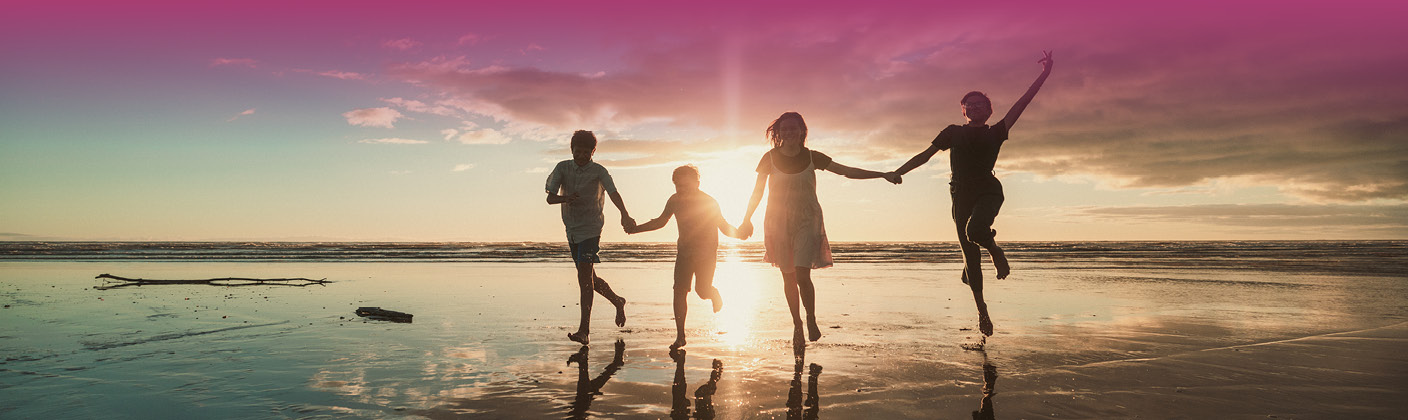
(1076, 339)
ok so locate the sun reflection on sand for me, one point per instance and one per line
(742, 290)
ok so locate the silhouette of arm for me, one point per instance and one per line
(746, 227)
(657, 222)
(1021, 105)
(855, 173)
(918, 160)
(626, 220)
(727, 229)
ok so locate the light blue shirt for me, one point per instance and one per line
(582, 218)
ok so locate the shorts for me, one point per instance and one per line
(584, 252)
(696, 266)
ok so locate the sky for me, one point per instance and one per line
(439, 121)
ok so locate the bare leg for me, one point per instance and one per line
(979, 230)
(704, 282)
(789, 289)
(585, 276)
(681, 309)
(808, 292)
(972, 267)
(605, 289)
(984, 322)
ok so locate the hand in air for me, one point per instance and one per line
(893, 177)
(1046, 61)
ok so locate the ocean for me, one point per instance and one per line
(1345, 257)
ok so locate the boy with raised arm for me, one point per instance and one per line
(977, 194)
(580, 186)
(696, 254)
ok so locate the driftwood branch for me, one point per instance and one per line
(113, 282)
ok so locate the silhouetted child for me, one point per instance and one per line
(696, 254)
(976, 192)
(794, 236)
(581, 185)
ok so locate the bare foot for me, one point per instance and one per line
(679, 342)
(717, 300)
(798, 337)
(579, 337)
(580, 357)
(814, 332)
(999, 260)
(620, 303)
(984, 324)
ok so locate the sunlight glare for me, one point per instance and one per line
(742, 289)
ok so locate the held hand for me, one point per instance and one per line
(1046, 62)
(745, 230)
(628, 223)
(893, 177)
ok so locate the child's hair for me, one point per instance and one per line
(585, 138)
(964, 101)
(683, 171)
(777, 123)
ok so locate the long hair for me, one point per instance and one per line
(777, 123)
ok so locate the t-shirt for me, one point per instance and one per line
(792, 164)
(582, 218)
(973, 149)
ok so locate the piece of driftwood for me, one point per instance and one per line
(376, 313)
(112, 282)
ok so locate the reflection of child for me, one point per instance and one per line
(584, 185)
(794, 237)
(696, 254)
(976, 193)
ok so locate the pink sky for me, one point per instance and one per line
(1303, 98)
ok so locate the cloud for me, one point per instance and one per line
(1144, 101)
(469, 135)
(241, 62)
(393, 140)
(344, 75)
(463, 167)
(241, 114)
(418, 106)
(469, 39)
(402, 44)
(373, 117)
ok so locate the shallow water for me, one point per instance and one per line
(489, 339)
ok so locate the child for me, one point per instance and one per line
(977, 195)
(794, 237)
(696, 254)
(582, 183)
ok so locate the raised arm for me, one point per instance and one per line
(727, 229)
(1021, 105)
(657, 222)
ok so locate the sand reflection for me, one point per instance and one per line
(703, 396)
(588, 388)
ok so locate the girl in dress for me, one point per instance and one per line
(793, 233)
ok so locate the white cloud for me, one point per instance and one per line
(418, 106)
(244, 62)
(470, 39)
(237, 116)
(344, 75)
(373, 117)
(402, 44)
(393, 140)
(463, 167)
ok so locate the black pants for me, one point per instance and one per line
(975, 207)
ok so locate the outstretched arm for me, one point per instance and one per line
(626, 220)
(657, 222)
(857, 173)
(1021, 105)
(918, 160)
(729, 230)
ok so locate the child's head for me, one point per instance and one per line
(976, 107)
(788, 128)
(583, 146)
(686, 178)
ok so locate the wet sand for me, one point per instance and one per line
(489, 341)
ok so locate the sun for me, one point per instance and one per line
(729, 177)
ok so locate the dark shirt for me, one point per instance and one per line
(792, 164)
(973, 150)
